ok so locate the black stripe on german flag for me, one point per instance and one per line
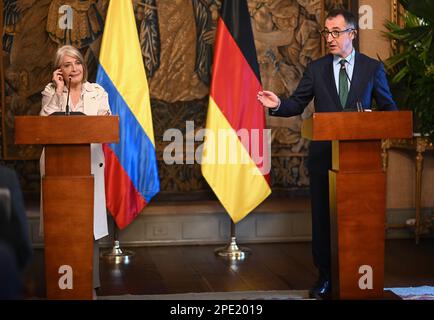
(235, 15)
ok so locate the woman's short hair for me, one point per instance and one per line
(70, 51)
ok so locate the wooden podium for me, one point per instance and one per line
(68, 193)
(357, 195)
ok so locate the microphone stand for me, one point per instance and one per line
(358, 103)
(67, 113)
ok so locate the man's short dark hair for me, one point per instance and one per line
(349, 17)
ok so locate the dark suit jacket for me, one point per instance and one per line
(14, 231)
(368, 82)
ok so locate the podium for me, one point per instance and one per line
(68, 193)
(357, 184)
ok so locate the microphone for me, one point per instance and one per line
(67, 113)
(359, 106)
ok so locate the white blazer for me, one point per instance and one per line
(95, 101)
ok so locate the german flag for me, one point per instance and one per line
(236, 157)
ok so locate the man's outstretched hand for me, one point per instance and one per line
(268, 99)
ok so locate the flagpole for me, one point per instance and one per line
(116, 253)
(232, 251)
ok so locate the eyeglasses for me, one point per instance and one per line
(335, 33)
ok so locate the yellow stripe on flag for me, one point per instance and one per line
(121, 43)
(234, 178)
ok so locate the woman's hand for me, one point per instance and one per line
(103, 112)
(268, 99)
(58, 81)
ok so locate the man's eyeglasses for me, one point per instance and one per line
(335, 33)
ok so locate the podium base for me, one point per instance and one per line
(390, 295)
(387, 295)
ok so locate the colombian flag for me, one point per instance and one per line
(131, 175)
(236, 155)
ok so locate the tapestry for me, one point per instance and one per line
(177, 38)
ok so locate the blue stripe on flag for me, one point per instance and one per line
(135, 150)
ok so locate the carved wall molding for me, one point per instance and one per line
(397, 14)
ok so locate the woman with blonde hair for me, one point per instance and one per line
(70, 75)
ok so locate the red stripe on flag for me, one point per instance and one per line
(121, 194)
(234, 88)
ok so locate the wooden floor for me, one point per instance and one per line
(282, 266)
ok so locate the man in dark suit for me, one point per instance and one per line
(15, 245)
(342, 80)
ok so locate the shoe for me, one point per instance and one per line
(321, 289)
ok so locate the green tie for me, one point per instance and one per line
(343, 84)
